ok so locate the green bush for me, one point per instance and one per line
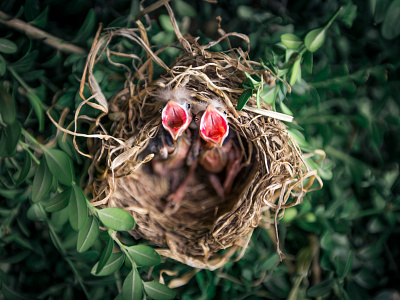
(341, 242)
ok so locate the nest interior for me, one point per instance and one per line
(122, 175)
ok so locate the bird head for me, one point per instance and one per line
(176, 117)
(214, 126)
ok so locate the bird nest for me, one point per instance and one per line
(272, 174)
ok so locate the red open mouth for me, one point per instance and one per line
(175, 119)
(213, 126)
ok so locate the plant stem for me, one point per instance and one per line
(333, 18)
(25, 147)
(37, 33)
(20, 80)
(25, 85)
(32, 139)
(123, 248)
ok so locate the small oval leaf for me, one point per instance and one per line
(268, 95)
(11, 294)
(13, 133)
(41, 182)
(296, 73)
(291, 41)
(36, 212)
(7, 46)
(308, 61)
(78, 211)
(315, 39)
(390, 26)
(157, 290)
(60, 166)
(116, 218)
(144, 255)
(37, 107)
(8, 108)
(244, 97)
(58, 202)
(321, 289)
(26, 167)
(285, 109)
(87, 27)
(132, 287)
(3, 65)
(88, 234)
(105, 254)
(112, 265)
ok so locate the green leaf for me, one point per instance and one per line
(88, 234)
(184, 9)
(285, 109)
(105, 254)
(54, 62)
(157, 290)
(296, 72)
(132, 287)
(144, 255)
(87, 28)
(299, 138)
(13, 133)
(304, 258)
(37, 107)
(78, 210)
(41, 182)
(7, 46)
(116, 218)
(165, 22)
(10, 294)
(31, 10)
(380, 10)
(271, 262)
(308, 61)
(390, 26)
(321, 289)
(8, 108)
(291, 41)
(268, 95)
(36, 212)
(58, 202)
(26, 167)
(60, 166)
(111, 266)
(3, 65)
(41, 20)
(348, 267)
(315, 39)
(244, 97)
(349, 14)
(25, 63)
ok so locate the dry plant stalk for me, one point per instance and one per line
(274, 176)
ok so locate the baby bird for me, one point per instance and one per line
(174, 142)
(218, 151)
(176, 115)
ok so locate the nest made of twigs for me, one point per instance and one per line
(273, 174)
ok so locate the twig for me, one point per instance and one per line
(39, 34)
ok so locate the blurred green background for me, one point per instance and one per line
(342, 242)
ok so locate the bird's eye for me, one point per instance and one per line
(225, 112)
(160, 110)
(188, 105)
(196, 119)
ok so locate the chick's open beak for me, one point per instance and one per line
(214, 127)
(175, 118)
